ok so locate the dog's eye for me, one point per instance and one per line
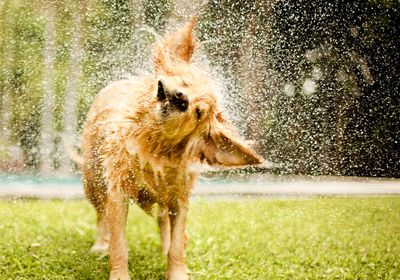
(198, 113)
(160, 92)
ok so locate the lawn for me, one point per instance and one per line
(317, 238)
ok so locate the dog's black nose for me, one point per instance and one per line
(180, 101)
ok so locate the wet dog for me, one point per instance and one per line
(140, 139)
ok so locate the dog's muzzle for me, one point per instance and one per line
(176, 98)
(179, 100)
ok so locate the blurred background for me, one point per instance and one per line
(315, 84)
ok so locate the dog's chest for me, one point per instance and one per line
(160, 183)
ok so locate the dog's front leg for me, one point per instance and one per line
(117, 213)
(177, 269)
(165, 229)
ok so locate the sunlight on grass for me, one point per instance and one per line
(342, 238)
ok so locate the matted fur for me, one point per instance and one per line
(138, 145)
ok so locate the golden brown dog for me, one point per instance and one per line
(140, 138)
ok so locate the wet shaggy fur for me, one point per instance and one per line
(140, 139)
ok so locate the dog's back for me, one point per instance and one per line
(109, 121)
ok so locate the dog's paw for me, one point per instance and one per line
(178, 273)
(119, 275)
(100, 249)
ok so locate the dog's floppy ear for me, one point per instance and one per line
(223, 149)
(178, 46)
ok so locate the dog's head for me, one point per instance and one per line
(187, 108)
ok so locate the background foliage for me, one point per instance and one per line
(314, 83)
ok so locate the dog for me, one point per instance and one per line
(140, 139)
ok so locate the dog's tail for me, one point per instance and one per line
(74, 154)
(175, 48)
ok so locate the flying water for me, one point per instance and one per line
(312, 89)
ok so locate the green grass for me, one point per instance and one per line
(318, 238)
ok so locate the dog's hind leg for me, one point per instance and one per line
(96, 193)
(146, 202)
(101, 245)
